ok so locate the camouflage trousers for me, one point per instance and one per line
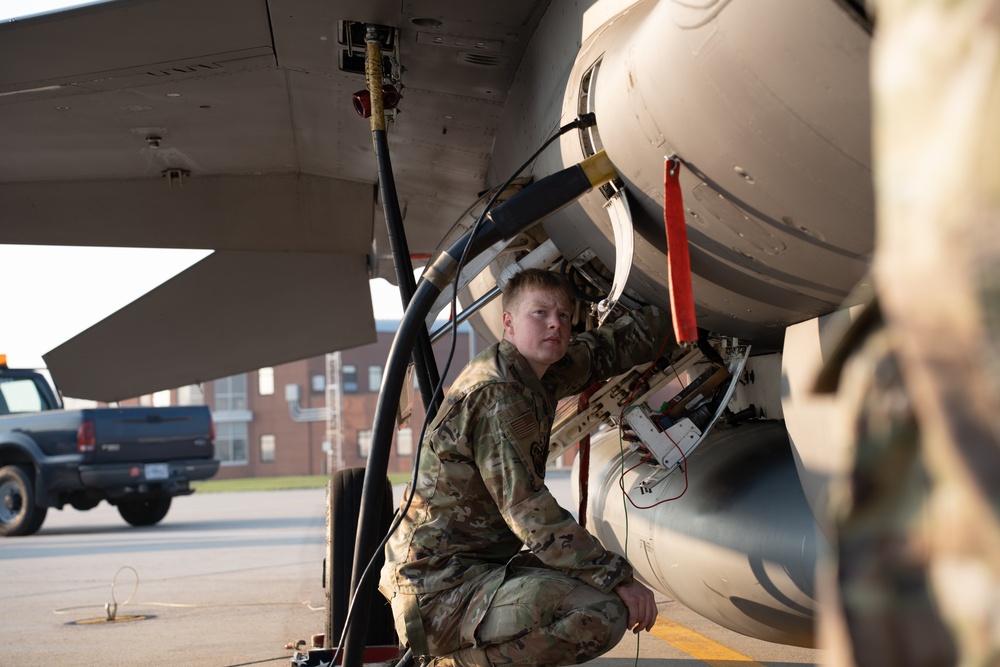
(517, 615)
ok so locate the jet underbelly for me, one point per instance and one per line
(767, 106)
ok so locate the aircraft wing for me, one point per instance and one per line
(229, 125)
(210, 320)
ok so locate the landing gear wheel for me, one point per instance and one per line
(145, 512)
(18, 513)
(342, 509)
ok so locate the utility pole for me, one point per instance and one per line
(334, 413)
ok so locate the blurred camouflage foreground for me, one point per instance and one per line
(919, 516)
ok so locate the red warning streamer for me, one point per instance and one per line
(678, 259)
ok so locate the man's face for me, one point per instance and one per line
(539, 327)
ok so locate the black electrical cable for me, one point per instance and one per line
(578, 284)
(523, 210)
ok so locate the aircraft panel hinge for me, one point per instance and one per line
(175, 175)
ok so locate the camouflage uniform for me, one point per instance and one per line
(887, 605)
(460, 586)
(919, 533)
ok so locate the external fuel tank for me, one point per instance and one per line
(737, 545)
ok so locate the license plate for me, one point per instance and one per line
(157, 471)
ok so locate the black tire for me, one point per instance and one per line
(342, 510)
(146, 512)
(19, 515)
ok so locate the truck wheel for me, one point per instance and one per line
(18, 513)
(343, 507)
(144, 512)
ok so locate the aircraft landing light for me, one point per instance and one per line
(699, 646)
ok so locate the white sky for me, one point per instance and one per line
(13, 8)
(52, 293)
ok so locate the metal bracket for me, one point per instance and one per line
(682, 432)
(666, 445)
(605, 404)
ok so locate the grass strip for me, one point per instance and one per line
(275, 483)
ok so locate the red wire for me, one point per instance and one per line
(621, 481)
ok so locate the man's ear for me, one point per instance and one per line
(508, 322)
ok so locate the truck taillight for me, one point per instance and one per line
(85, 438)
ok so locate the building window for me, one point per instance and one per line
(374, 378)
(267, 449)
(404, 442)
(350, 373)
(364, 443)
(231, 393)
(265, 381)
(318, 384)
(161, 399)
(191, 394)
(231, 443)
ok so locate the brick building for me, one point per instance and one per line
(273, 421)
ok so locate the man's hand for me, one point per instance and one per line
(641, 605)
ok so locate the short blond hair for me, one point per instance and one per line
(528, 279)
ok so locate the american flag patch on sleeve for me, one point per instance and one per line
(522, 426)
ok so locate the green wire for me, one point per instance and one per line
(621, 460)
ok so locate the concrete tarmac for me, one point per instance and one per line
(232, 579)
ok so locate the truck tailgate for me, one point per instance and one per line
(130, 435)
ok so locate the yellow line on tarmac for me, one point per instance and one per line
(699, 646)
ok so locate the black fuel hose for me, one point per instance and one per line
(422, 353)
